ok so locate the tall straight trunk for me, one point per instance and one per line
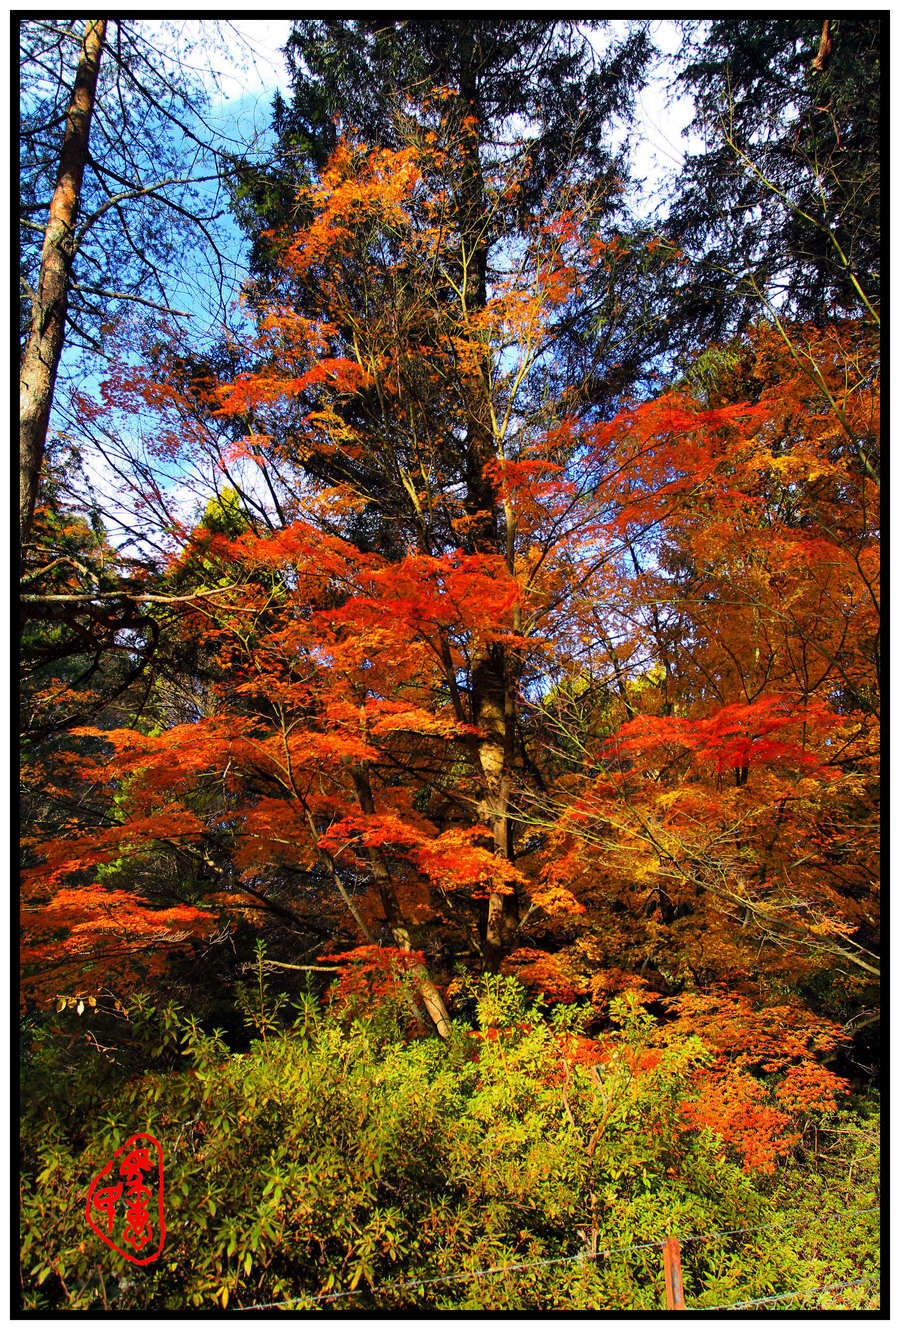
(493, 694)
(40, 360)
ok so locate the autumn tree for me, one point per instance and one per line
(457, 88)
(367, 704)
(733, 801)
(498, 670)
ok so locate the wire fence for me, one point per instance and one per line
(803, 1293)
(462, 1275)
(582, 1258)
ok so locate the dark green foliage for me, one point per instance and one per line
(782, 205)
(364, 74)
(362, 71)
(540, 93)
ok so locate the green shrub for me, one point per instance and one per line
(336, 1157)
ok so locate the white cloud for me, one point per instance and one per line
(659, 141)
(233, 59)
(260, 64)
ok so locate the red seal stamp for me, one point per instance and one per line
(125, 1202)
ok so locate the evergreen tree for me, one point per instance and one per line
(537, 89)
(781, 209)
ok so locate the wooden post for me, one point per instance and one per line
(674, 1282)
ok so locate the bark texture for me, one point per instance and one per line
(40, 360)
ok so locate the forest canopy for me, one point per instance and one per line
(467, 641)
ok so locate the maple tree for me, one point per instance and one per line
(762, 737)
(372, 720)
(453, 444)
(506, 678)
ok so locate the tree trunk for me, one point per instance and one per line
(492, 695)
(434, 1003)
(493, 710)
(40, 360)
